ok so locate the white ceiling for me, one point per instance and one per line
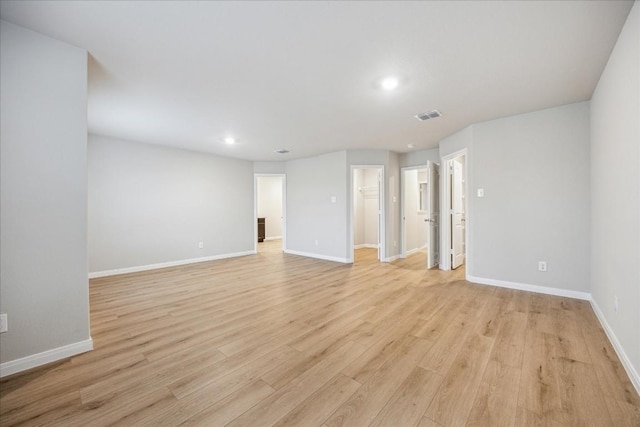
(304, 75)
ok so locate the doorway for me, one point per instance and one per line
(454, 211)
(420, 212)
(367, 221)
(269, 213)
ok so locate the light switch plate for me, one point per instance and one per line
(480, 192)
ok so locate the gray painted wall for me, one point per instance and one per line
(269, 167)
(534, 169)
(419, 158)
(615, 191)
(393, 206)
(43, 140)
(150, 204)
(311, 182)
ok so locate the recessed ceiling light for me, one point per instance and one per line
(281, 151)
(410, 145)
(229, 140)
(389, 83)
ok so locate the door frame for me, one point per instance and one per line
(255, 208)
(445, 214)
(403, 225)
(382, 247)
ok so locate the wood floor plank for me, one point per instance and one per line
(363, 406)
(453, 401)
(225, 410)
(273, 338)
(494, 404)
(317, 407)
(280, 403)
(410, 402)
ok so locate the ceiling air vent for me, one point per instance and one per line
(281, 151)
(429, 115)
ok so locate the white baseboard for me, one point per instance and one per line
(365, 245)
(126, 270)
(318, 256)
(622, 355)
(273, 238)
(392, 258)
(628, 366)
(531, 288)
(415, 250)
(39, 359)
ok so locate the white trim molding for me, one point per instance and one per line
(628, 366)
(273, 238)
(317, 256)
(49, 356)
(392, 258)
(531, 288)
(137, 269)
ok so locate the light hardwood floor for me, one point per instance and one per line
(273, 339)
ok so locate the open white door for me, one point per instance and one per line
(457, 215)
(433, 214)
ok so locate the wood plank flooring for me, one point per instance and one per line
(274, 339)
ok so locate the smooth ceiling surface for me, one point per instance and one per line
(305, 75)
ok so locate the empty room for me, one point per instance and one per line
(320, 213)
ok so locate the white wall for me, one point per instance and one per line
(269, 204)
(415, 227)
(366, 206)
(371, 206)
(534, 169)
(390, 161)
(358, 208)
(615, 191)
(43, 143)
(311, 216)
(150, 204)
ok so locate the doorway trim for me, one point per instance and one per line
(382, 247)
(255, 208)
(445, 215)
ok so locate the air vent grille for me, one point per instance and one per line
(281, 151)
(429, 115)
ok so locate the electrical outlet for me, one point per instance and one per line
(4, 324)
(317, 242)
(616, 303)
(542, 265)
(200, 245)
